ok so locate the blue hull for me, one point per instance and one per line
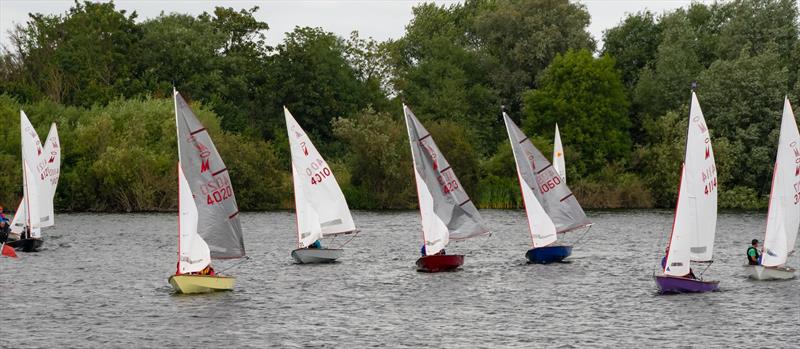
(548, 254)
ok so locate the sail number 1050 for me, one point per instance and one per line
(550, 184)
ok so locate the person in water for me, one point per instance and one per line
(753, 256)
(316, 245)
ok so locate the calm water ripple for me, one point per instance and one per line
(101, 282)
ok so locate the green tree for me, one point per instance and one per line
(585, 96)
(633, 45)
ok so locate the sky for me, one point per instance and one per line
(380, 19)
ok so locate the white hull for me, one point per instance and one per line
(316, 255)
(760, 272)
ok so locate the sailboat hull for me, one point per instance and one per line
(316, 255)
(188, 284)
(26, 245)
(760, 272)
(548, 254)
(674, 284)
(437, 263)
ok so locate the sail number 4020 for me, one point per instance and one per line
(219, 195)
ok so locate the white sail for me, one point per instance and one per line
(693, 230)
(20, 219)
(558, 156)
(33, 189)
(446, 209)
(49, 174)
(783, 219)
(541, 227)
(321, 206)
(194, 254)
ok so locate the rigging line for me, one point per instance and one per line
(244, 259)
(704, 270)
(589, 227)
(351, 238)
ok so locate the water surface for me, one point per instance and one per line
(101, 281)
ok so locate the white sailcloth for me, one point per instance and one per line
(20, 220)
(558, 156)
(541, 227)
(783, 219)
(693, 231)
(321, 207)
(446, 209)
(193, 250)
(49, 174)
(33, 189)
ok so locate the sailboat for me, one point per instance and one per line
(321, 208)
(558, 156)
(40, 167)
(208, 217)
(783, 218)
(694, 227)
(549, 204)
(445, 208)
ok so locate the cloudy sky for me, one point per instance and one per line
(380, 19)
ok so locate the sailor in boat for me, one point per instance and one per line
(208, 270)
(440, 253)
(3, 215)
(664, 266)
(4, 231)
(753, 256)
(317, 244)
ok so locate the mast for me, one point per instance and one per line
(178, 140)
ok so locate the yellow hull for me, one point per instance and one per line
(201, 283)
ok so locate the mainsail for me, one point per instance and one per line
(34, 192)
(558, 156)
(541, 227)
(44, 179)
(695, 223)
(321, 207)
(218, 221)
(783, 219)
(545, 182)
(446, 209)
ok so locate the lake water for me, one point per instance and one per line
(101, 282)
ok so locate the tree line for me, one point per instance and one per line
(105, 77)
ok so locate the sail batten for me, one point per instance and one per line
(209, 183)
(783, 218)
(446, 209)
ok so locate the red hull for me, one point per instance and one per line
(437, 263)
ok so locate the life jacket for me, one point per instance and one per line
(749, 260)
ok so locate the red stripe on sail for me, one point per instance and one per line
(220, 171)
(233, 215)
(197, 131)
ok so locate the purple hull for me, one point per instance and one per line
(675, 284)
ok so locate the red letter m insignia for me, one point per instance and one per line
(204, 166)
